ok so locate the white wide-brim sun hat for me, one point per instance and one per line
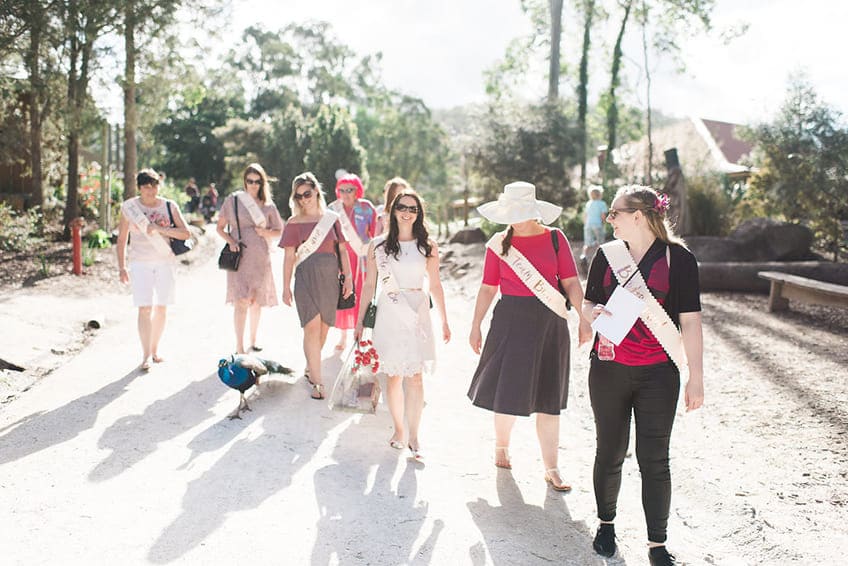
(517, 204)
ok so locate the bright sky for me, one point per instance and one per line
(438, 49)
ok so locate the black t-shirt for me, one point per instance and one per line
(684, 288)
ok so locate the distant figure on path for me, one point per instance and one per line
(252, 286)
(390, 190)
(152, 221)
(593, 225)
(524, 367)
(403, 331)
(358, 220)
(193, 194)
(642, 374)
(310, 239)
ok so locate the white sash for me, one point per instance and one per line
(530, 276)
(132, 210)
(352, 236)
(316, 237)
(654, 316)
(390, 287)
(249, 203)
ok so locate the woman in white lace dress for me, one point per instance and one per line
(403, 331)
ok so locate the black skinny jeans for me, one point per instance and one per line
(651, 393)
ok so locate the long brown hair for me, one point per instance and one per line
(419, 229)
(647, 201)
(264, 188)
(391, 189)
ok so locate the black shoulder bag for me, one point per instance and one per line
(350, 301)
(179, 247)
(555, 240)
(229, 260)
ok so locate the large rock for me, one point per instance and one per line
(765, 239)
(468, 236)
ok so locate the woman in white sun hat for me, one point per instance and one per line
(525, 362)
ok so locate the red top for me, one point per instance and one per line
(295, 233)
(539, 250)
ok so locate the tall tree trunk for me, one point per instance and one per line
(612, 112)
(650, 156)
(34, 63)
(556, 36)
(130, 114)
(583, 87)
(72, 188)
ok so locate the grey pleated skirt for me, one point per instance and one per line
(316, 288)
(525, 362)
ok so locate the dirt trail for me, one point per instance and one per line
(99, 464)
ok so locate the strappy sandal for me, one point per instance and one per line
(416, 452)
(556, 486)
(307, 378)
(508, 465)
(319, 389)
(396, 444)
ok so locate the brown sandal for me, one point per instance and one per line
(317, 391)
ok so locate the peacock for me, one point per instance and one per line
(242, 371)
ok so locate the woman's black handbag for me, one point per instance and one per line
(179, 247)
(229, 260)
(350, 301)
(370, 315)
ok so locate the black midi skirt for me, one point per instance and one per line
(525, 362)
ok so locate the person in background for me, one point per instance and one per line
(593, 225)
(252, 286)
(358, 220)
(193, 194)
(212, 194)
(641, 375)
(151, 268)
(390, 190)
(310, 240)
(403, 332)
(525, 363)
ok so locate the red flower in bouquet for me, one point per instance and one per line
(365, 357)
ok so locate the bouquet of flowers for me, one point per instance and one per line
(357, 388)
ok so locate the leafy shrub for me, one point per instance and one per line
(99, 239)
(710, 207)
(16, 228)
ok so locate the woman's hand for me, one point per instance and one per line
(347, 287)
(234, 246)
(357, 332)
(124, 276)
(446, 333)
(694, 393)
(476, 339)
(287, 297)
(599, 310)
(151, 228)
(584, 332)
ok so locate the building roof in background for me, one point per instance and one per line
(724, 133)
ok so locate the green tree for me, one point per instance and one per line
(803, 164)
(332, 143)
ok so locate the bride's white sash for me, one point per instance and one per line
(249, 203)
(132, 210)
(351, 235)
(389, 287)
(654, 316)
(316, 237)
(530, 276)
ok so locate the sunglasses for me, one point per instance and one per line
(348, 190)
(613, 212)
(253, 181)
(303, 195)
(404, 208)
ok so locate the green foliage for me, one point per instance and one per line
(571, 224)
(803, 170)
(332, 143)
(534, 143)
(710, 207)
(99, 239)
(17, 228)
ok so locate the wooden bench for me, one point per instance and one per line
(785, 286)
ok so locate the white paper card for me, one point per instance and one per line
(625, 308)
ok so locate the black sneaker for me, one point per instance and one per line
(659, 556)
(604, 543)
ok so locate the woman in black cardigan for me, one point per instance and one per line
(638, 375)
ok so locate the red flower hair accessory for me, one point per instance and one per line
(661, 204)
